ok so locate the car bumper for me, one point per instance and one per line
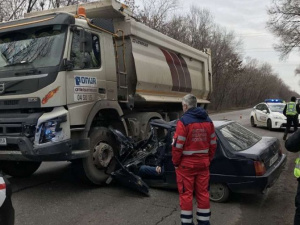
(254, 184)
(278, 123)
(281, 124)
(22, 149)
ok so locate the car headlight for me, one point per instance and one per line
(50, 131)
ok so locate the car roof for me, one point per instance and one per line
(275, 103)
(167, 125)
(271, 103)
(221, 123)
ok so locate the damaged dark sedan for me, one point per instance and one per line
(244, 162)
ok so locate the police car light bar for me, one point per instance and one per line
(277, 100)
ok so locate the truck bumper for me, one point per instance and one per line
(21, 149)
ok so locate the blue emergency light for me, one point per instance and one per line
(274, 100)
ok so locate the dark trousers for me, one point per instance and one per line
(290, 120)
(7, 213)
(297, 204)
(150, 172)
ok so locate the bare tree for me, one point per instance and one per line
(154, 13)
(284, 22)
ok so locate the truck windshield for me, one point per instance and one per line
(34, 47)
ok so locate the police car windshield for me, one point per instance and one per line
(239, 137)
(34, 47)
(277, 107)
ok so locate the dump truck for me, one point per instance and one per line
(67, 75)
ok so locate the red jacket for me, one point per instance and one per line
(194, 142)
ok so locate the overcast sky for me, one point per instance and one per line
(247, 18)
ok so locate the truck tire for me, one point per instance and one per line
(103, 149)
(19, 168)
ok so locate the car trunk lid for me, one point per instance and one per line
(267, 150)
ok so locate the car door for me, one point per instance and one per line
(264, 114)
(259, 113)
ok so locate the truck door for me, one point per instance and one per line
(86, 80)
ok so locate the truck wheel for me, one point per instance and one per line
(219, 192)
(19, 168)
(103, 149)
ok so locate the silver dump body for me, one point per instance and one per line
(158, 68)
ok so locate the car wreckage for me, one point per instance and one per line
(244, 162)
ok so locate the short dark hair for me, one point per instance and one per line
(293, 99)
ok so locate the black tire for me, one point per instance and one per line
(219, 192)
(269, 124)
(19, 168)
(103, 146)
(252, 122)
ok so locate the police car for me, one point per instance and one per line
(269, 114)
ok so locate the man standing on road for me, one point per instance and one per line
(193, 148)
(291, 111)
(293, 145)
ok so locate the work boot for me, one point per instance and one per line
(284, 137)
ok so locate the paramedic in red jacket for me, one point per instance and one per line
(193, 148)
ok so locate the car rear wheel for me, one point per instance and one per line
(269, 124)
(219, 192)
(19, 168)
(252, 122)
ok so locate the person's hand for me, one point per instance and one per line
(158, 169)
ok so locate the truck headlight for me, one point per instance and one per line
(50, 131)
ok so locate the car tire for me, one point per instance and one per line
(19, 168)
(252, 122)
(219, 192)
(269, 124)
(103, 149)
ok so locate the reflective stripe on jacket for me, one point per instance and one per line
(194, 141)
(291, 109)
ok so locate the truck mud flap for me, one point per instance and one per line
(126, 178)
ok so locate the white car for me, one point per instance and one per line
(7, 212)
(268, 114)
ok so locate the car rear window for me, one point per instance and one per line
(239, 137)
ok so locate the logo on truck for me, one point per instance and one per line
(84, 81)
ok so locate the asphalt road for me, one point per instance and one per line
(54, 196)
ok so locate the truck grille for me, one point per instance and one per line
(11, 102)
(10, 129)
(10, 147)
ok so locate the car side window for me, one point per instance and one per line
(85, 60)
(264, 107)
(259, 107)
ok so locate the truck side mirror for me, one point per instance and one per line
(85, 41)
(68, 65)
